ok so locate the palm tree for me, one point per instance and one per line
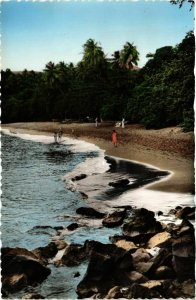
(129, 56)
(93, 54)
(51, 73)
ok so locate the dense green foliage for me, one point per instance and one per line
(158, 95)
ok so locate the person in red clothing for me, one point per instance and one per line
(114, 138)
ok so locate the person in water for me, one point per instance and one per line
(114, 138)
(60, 134)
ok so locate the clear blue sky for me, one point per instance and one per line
(34, 33)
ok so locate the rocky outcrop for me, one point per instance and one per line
(20, 268)
(151, 261)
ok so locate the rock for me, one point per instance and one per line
(14, 282)
(77, 274)
(74, 254)
(132, 292)
(186, 213)
(84, 196)
(126, 245)
(183, 250)
(79, 177)
(114, 293)
(184, 246)
(184, 267)
(90, 212)
(177, 289)
(143, 267)
(139, 240)
(104, 261)
(140, 255)
(137, 277)
(159, 213)
(119, 183)
(142, 222)
(161, 239)
(164, 272)
(33, 296)
(45, 253)
(61, 244)
(163, 258)
(114, 219)
(152, 284)
(21, 267)
(72, 226)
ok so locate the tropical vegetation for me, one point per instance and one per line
(158, 95)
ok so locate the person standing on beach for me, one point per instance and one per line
(60, 134)
(96, 122)
(55, 137)
(123, 122)
(114, 138)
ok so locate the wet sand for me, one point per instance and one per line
(168, 149)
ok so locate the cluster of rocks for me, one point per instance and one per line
(149, 260)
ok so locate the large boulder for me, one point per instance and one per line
(161, 239)
(142, 222)
(183, 250)
(20, 267)
(108, 267)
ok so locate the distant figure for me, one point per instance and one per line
(123, 123)
(96, 122)
(114, 138)
(118, 124)
(55, 137)
(60, 134)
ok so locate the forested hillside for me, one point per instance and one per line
(158, 95)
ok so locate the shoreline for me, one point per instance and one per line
(131, 147)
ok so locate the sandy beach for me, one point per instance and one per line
(168, 149)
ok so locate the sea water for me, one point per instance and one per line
(40, 198)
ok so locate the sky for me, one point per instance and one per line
(34, 32)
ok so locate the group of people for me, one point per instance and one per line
(58, 135)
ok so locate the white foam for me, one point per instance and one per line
(153, 200)
(30, 137)
(92, 165)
